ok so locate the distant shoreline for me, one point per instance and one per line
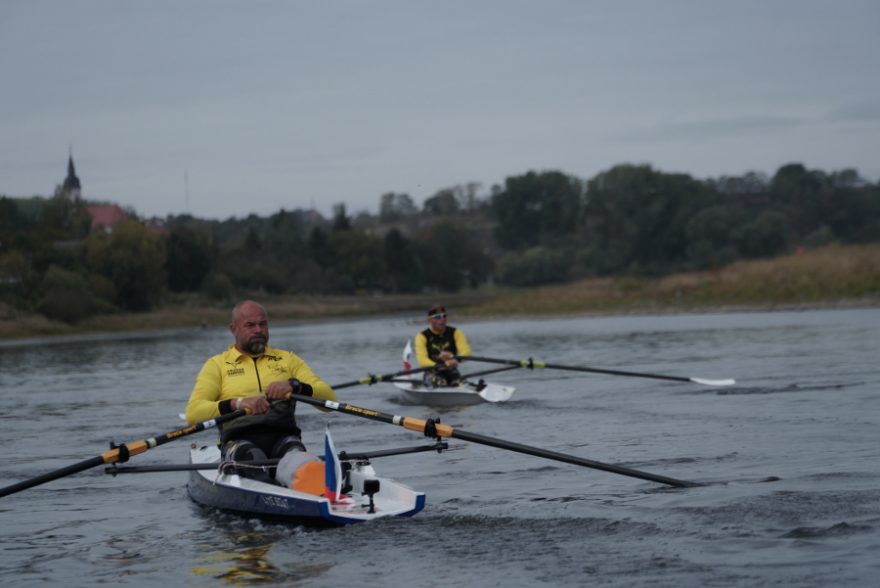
(832, 277)
(11, 336)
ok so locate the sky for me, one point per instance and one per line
(220, 108)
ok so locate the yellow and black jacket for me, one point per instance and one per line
(429, 345)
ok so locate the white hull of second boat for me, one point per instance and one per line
(464, 394)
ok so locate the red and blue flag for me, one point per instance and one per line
(332, 469)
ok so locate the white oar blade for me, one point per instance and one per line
(728, 382)
(495, 393)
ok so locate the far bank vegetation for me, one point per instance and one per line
(630, 237)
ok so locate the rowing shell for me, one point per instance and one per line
(230, 492)
(466, 393)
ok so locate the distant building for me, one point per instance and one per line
(105, 216)
(71, 187)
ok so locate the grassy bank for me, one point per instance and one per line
(833, 276)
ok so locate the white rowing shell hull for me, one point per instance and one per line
(462, 395)
(254, 498)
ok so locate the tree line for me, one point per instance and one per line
(537, 228)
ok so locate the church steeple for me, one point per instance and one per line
(71, 187)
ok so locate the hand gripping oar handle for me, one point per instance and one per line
(533, 364)
(120, 453)
(432, 428)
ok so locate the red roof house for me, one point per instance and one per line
(104, 216)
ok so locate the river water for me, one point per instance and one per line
(788, 459)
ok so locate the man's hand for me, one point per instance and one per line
(283, 389)
(278, 390)
(253, 404)
(448, 359)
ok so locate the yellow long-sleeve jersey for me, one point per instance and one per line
(232, 374)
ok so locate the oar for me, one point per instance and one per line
(487, 372)
(114, 469)
(532, 364)
(120, 453)
(371, 379)
(432, 428)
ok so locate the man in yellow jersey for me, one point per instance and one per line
(251, 375)
(438, 345)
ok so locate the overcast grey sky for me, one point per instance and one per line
(222, 108)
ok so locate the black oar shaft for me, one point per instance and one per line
(533, 364)
(565, 458)
(443, 430)
(343, 456)
(118, 453)
(494, 371)
(54, 475)
(371, 379)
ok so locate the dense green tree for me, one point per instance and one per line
(320, 249)
(442, 203)
(537, 209)
(252, 241)
(403, 268)
(768, 234)
(132, 257)
(452, 258)
(10, 217)
(636, 219)
(341, 221)
(190, 258)
(713, 234)
(534, 267)
(65, 296)
(394, 207)
(285, 235)
(359, 259)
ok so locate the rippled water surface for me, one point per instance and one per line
(789, 459)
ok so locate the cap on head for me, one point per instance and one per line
(436, 309)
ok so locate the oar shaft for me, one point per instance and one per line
(54, 475)
(565, 458)
(119, 453)
(343, 456)
(534, 364)
(443, 430)
(371, 379)
(616, 372)
(494, 371)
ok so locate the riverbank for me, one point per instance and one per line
(830, 277)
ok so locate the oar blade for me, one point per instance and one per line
(496, 393)
(705, 382)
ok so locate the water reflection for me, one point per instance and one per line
(244, 558)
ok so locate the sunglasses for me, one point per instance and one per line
(437, 317)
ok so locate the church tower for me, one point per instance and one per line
(71, 187)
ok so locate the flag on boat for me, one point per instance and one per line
(332, 469)
(407, 355)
